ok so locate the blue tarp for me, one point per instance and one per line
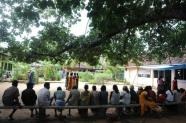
(165, 66)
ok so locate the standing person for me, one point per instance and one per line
(103, 99)
(73, 98)
(70, 83)
(77, 80)
(67, 80)
(84, 101)
(10, 97)
(44, 99)
(29, 97)
(174, 84)
(94, 100)
(74, 80)
(59, 97)
(31, 77)
(160, 84)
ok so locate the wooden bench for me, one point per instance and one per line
(92, 106)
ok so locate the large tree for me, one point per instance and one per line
(120, 30)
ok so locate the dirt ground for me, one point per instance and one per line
(23, 115)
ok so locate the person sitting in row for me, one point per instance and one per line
(177, 95)
(112, 113)
(169, 96)
(183, 95)
(114, 95)
(44, 99)
(134, 96)
(103, 100)
(94, 99)
(10, 97)
(125, 98)
(73, 98)
(29, 98)
(146, 102)
(59, 97)
(84, 101)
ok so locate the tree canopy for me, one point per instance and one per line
(120, 30)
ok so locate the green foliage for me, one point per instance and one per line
(51, 72)
(101, 78)
(85, 76)
(20, 71)
(114, 24)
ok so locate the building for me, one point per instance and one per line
(5, 65)
(148, 74)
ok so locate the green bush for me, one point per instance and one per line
(86, 76)
(101, 78)
(51, 73)
(20, 71)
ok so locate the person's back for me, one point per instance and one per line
(169, 96)
(75, 96)
(177, 96)
(29, 97)
(9, 94)
(60, 95)
(134, 96)
(10, 97)
(103, 97)
(85, 98)
(44, 96)
(115, 97)
(126, 98)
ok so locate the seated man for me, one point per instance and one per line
(10, 97)
(73, 98)
(29, 97)
(44, 99)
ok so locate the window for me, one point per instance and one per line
(144, 73)
(155, 74)
(184, 74)
(180, 74)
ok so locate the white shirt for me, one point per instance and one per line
(170, 96)
(44, 97)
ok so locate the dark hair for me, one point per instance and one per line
(125, 88)
(115, 88)
(47, 85)
(86, 87)
(67, 73)
(15, 82)
(147, 88)
(59, 88)
(160, 77)
(94, 88)
(103, 88)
